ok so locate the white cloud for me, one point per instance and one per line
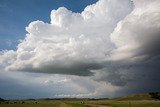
(7, 58)
(73, 43)
(138, 32)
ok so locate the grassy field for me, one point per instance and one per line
(112, 103)
(52, 103)
(139, 100)
(88, 103)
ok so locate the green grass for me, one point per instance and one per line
(78, 105)
(137, 100)
(42, 104)
(89, 103)
(135, 104)
(114, 103)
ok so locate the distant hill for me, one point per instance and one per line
(2, 99)
(144, 96)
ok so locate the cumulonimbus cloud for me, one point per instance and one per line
(114, 38)
(137, 36)
(73, 43)
(136, 56)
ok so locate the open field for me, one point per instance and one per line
(51, 103)
(87, 103)
(139, 100)
(112, 103)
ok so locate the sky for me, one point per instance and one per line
(82, 49)
(17, 14)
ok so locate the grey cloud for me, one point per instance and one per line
(136, 56)
(80, 69)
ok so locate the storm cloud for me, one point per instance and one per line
(73, 43)
(112, 42)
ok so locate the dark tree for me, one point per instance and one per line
(155, 95)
